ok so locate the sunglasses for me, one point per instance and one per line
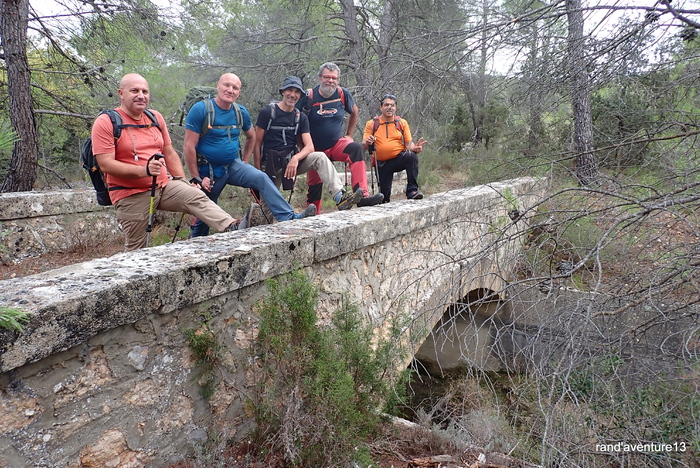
(387, 96)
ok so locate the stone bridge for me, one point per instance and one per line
(102, 375)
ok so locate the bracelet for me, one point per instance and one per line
(196, 180)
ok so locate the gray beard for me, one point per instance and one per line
(326, 91)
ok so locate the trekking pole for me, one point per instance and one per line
(257, 200)
(346, 176)
(374, 167)
(151, 207)
(177, 228)
(372, 150)
(292, 191)
(376, 170)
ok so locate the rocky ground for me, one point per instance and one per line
(403, 445)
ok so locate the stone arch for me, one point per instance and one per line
(478, 331)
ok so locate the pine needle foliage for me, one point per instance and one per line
(12, 319)
(8, 138)
(319, 388)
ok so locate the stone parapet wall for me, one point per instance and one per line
(37, 223)
(21, 205)
(102, 375)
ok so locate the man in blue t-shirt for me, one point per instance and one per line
(219, 162)
(284, 148)
(326, 106)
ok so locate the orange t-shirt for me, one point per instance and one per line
(135, 146)
(389, 140)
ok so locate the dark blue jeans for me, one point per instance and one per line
(246, 175)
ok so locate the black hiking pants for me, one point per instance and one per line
(405, 160)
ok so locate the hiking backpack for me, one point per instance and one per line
(206, 94)
(297, 117)
(89, 161)
(375, 126)
(397, 121)
(310, 95)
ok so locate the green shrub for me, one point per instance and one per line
(320, 388)
(207, 351)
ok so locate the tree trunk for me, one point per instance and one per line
(13, 30)
(355, 47)
(385, 78)
(478, 81)
(586, 163)
(532, 64)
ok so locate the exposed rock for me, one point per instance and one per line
(111, 451)
(17, 410)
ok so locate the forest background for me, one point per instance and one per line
(601, 97)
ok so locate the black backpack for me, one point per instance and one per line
(88, 158)
(295, 128)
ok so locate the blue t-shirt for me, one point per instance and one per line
(276, 139)
(326, 118)
(219, 145)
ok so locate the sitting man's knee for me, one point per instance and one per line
(355, 151)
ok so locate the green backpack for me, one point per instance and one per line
(206, 94)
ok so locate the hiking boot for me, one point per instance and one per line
(267, 214)
(372, 200)
(347, 199)
(417, 195)
(307, 213)
(256, 217)
(250, 219)
(237, 225)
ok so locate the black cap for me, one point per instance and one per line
(292, 82)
